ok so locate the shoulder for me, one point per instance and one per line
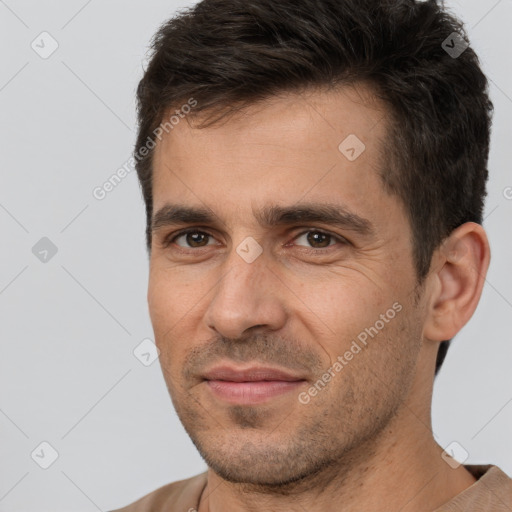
(181, 495)
(492, 491)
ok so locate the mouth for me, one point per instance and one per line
(251, 385)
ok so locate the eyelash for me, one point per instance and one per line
(173, 236)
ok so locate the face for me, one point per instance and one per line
(299, 263)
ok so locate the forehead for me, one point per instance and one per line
(319, 146)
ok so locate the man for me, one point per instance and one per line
(314, 175)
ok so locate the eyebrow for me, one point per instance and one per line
(269, 216)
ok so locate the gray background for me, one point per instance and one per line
(68, 375)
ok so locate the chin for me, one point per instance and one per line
(276, 466)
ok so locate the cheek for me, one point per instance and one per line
(345, 307)
(167, 309)
(160, 301)
(176, 304)
(171, 297)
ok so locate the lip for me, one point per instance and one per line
(250, 374)
(250, 385)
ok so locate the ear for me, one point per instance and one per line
(459, 267)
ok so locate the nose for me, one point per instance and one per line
(248, 295)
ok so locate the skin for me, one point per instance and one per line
(365, 441)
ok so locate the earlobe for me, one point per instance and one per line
(461, 265)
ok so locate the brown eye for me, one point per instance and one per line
(317, 239)
(193, 239)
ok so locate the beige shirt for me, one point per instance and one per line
(492, 492)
